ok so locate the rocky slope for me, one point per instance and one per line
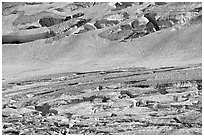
(128, 101)
(56, 37)
(101, 68)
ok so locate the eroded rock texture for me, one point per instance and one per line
(116, 15)
(129, 101)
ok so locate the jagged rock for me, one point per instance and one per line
(151, 18)
(78, 15)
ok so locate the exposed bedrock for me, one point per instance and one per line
(116, 33)
(23, 19)
(16, 38)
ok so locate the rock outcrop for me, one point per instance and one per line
(59, 23)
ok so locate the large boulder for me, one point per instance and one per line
(48, 21)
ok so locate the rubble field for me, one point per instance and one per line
(121, 101)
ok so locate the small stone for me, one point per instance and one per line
(105, 99)
(30, 107)
(64, 131)
(126, 93)
(155, 106)
(113, 115)
(175, 98)
(195, 102)
(15, 106)
(24, 131)
(43, 108)
(6, 125)
(97, 100)
(99, 88)
(115, 86)
(29, 95)
(53, 111)
(199, 87)
(163, 91)
(138, 103)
